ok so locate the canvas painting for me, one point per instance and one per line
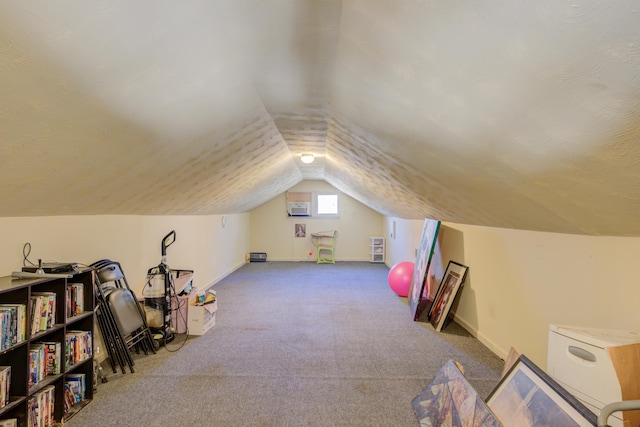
(435, 273)
(421, 265)
(450, 401)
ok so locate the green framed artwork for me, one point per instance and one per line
(417, 300)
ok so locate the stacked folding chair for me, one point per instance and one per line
(120, 318)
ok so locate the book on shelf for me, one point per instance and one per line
(32, 411)
(53, 357)
(74, 390)
(13, 324)
(78, 347)
(75, 299)
(69, 398)
(9, 326)
(37, 363)
(50, 400)
(5, 385)
(78, 386)
(35, 310)
(47, 315)
(41, 408)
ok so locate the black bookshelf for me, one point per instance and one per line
(61, 328)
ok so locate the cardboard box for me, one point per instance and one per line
(201, 318)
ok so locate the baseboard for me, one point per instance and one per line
(501, 353)
(223, 275)
(313, 259)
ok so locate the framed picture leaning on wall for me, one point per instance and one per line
(452, 280)
(421, 266)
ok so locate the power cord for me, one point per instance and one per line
(174, 295)
(26, 250)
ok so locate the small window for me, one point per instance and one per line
(327, 205)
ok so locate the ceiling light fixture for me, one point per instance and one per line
(307, 158)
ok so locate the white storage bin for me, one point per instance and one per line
(578, 359)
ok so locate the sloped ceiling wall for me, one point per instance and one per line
(497, 113)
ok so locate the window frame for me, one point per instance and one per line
(316, 196)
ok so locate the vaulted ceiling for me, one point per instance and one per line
(500, 113)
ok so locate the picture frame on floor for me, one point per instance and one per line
(449, 400)
(453, 278)
(426, 248)
(527, 396)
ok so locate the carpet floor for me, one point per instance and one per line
(294, 344)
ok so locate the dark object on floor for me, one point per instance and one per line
(120, 317)
(158, 293)
(257, 256)
(161, 302)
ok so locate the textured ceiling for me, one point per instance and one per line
(508, 114)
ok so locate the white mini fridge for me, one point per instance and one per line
(580, 360)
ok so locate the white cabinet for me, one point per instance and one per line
(376, 249)
(592, 364)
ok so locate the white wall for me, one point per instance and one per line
(272, 231)
(403, 245)
(519, 282)
(202, 244)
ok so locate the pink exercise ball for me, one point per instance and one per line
(400, 277)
